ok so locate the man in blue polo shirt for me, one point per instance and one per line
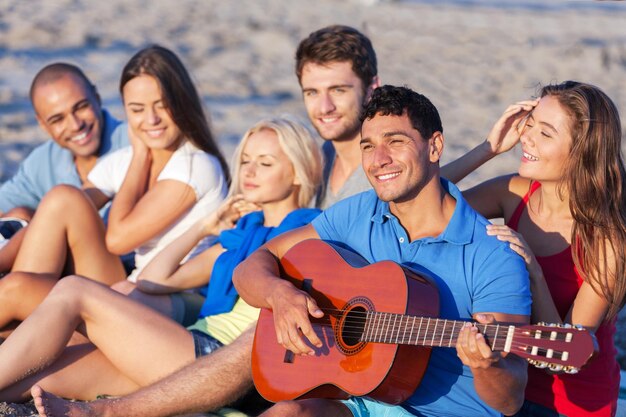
(416, 218)
(68, 109)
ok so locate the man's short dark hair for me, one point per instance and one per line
(55, 71)
(339, 43)
(391, 100)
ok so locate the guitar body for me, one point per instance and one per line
(341, 280)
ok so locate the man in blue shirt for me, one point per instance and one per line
(416, 218)
(68, 109)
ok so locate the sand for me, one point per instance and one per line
(470, 57)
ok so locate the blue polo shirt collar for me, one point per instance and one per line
(456, 232)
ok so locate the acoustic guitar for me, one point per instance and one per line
(379, 326)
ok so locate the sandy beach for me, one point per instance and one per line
(472, 58)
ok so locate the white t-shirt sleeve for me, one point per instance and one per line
(201, 171)
(109, 172)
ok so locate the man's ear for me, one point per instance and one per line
(373, 86)
(96, 94)
(42, 124)
(436, 143)
(375, 82)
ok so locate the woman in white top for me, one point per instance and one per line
(172, 174)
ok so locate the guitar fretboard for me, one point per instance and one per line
(427, 331)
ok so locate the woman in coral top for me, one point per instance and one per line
(565, 214)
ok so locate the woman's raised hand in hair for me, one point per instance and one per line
(506, 132)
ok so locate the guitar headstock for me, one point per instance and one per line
(558, 347)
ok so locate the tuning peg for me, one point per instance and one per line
(532, 362)
(544, 324)
(567, 326)
(555, 367)
(541, 364)
(570, 370)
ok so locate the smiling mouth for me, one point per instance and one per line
(386, 177)
(529, 156)
(82, 137)
(155, 133)
(329, 119)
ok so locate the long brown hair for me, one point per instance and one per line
(594, 177)
(179, 94)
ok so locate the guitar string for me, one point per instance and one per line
(528, 327)
(522, 340)
(519, 348)
(521, 344)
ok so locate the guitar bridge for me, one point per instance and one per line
(289, 356)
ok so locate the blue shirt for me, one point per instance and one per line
(474, 273)
(247, 236)
(49, 164)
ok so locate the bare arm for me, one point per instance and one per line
(497, 197)
(138, 213)
(504, 136)
(499, 379)
(588, 309)
(168, 261)
(194, 273)
(132, 225)
(165, 273)
(98, 198)
(460, 168)
(258, 282)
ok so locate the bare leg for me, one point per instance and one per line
(308, 408)
(67, 224)
(7, 330)
(209, 383)
(21, 293)
(140, 344)
(23, 213)
(161, 303)
(81, 372)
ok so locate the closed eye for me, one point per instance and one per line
(135, 109)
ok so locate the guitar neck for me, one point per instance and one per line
(428, 331)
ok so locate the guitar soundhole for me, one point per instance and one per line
(351, 325)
